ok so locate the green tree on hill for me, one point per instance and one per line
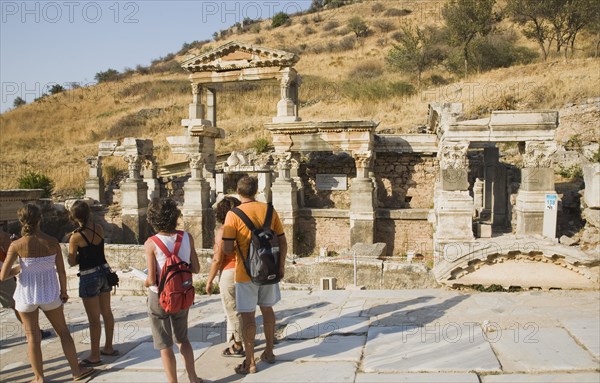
(358, 26)
(108, 75)
(415, 52)
(56, 88)
(280, 19)
(18, 102)
(467, 19)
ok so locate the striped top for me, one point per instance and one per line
(37, 283)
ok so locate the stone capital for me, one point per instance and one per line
(94, 161)
(538, 154)
(363, 159)
(134, 164)
(453, 156)
(196, 160)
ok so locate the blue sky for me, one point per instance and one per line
(48, 42)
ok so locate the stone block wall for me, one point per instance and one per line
(405, 180)
(325, 228)
(326, 163)
(404, 235)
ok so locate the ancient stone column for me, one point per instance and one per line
(453, 205)
(537, 186)
(134, 202)
(94, 185)
(495, 192)
(287, 107)
(362, 212)
(211, 106)
(197, 211)
(285, 198)
(150, 177)
(196, 109)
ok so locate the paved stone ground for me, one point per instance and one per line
(355, 336)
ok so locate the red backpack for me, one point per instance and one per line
(175, 287)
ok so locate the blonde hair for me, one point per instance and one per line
(30, 216)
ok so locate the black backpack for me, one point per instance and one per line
(262, 261)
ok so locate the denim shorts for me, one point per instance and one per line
(92, 285)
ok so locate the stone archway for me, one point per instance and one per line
(517, 262)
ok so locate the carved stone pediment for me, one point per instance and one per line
(236, 55)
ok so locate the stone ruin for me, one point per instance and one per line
(336, 184)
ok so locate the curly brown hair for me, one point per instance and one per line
(163, 214)
(224, 206)
(29, 217)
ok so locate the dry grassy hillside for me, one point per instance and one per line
(344, 77)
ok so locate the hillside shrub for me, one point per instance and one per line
(384, 26)
(107, 75)
(261, 144)
(18, 102)
(309, 31)
(367, 70)
(377, 7)
(358, 26)
(332, 24)
(34, 180)
(395, 12)
(280, 19)
(347, 43)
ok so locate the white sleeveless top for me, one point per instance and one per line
(169, 241)
(37, 283)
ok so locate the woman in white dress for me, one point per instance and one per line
(41, 284)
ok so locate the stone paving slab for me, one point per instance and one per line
(449, 347)
(145, 357)
(331, 348)
(417, 378)
(350, 312)
(308, 372)
(586, 377)
(587, 332)
(308, 328)
(540, 349)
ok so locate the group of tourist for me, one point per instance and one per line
(35, 261)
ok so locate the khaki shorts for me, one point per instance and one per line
(166, 326)
(7, 290)
(248, 296)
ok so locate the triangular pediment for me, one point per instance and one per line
(235, 55)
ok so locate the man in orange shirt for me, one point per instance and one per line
(249, 295)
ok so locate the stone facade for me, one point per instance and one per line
(405, 181)
(327, 228)
(405, 235)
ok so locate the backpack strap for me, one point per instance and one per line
(269, 216)
(244, 218)
(161, 245)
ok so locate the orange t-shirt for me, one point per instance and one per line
(228, 260)
(235, 229)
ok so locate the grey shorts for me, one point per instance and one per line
(248, 296)
(165, 326)
(7, 290)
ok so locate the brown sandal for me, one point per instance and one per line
(242, 369)
(231, 351)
